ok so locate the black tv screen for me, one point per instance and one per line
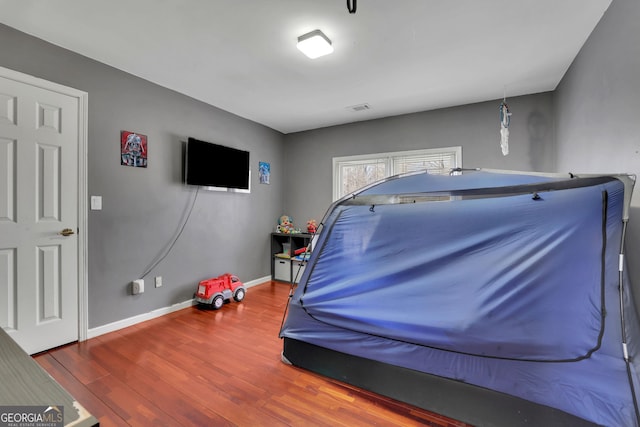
(216, 166)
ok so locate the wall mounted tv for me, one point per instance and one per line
(217, 167)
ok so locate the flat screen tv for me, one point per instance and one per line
(217, 167)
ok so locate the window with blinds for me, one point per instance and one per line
(354, 172)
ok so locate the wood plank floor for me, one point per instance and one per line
(198, 367)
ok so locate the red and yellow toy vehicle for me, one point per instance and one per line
(217, 290)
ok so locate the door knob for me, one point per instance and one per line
(67, 232)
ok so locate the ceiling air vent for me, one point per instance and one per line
(359, 107)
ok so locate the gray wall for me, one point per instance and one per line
(475, 127)
(142, 208)
(598, 108)
(593, 116)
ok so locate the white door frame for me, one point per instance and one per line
(83, 122)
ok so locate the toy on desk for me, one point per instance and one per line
(218, 290)
(312, 226)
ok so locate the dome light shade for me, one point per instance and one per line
(315, 44)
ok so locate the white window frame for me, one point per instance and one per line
(388, 160)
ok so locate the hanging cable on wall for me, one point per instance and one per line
(164, 252)
(352, 5)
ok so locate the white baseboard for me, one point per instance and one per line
(120, 324)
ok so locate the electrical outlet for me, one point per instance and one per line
(137, 286)
(158, 281)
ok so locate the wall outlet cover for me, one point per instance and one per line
(137, 286)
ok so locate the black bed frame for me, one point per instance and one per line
(454, 399)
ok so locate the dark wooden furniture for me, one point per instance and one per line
(25, 383)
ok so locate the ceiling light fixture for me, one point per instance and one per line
(315, 44)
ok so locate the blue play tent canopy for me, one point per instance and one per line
(509, 283)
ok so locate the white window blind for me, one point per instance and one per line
(354, 172)
(434, 163)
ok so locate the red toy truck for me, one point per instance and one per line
(217, 290)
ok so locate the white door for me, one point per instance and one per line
(39, 275)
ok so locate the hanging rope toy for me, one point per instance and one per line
(505, 118)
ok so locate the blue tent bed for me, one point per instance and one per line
(492, 297)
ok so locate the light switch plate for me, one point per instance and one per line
(96, 203)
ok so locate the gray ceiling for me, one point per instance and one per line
(399, 56)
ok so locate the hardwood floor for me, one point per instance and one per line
(198, 367)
